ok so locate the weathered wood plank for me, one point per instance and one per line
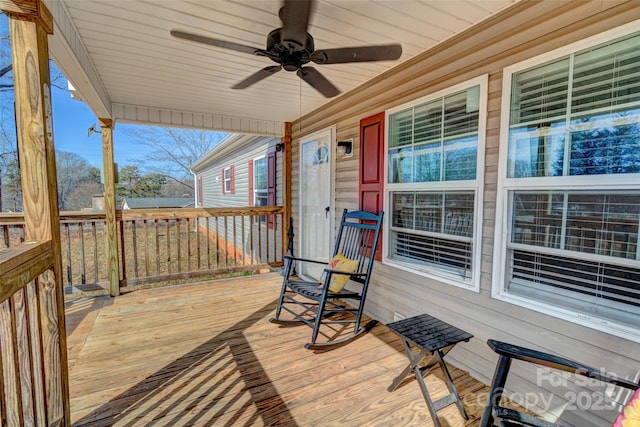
(23, 264)
(25, 365)
(9, 354)
(205, 354)
(34, 126)
(35, 330)
(108, 166)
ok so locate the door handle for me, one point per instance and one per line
(326, 211)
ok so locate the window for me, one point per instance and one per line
(228, 185)
(260, 182)
(571, 193)
(432, 190)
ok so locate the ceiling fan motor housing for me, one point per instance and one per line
(288, 53)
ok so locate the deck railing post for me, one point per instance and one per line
(107, 126)
(30, 24)
(286, 183)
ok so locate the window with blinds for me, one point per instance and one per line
(578, 115)
(431, 142)
(574, 125)
(435, 141)
(434, 228)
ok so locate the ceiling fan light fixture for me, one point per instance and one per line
(292, 47)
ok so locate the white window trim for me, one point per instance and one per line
(254, 177)
(224, 177)
(505, 185)
(476, 185)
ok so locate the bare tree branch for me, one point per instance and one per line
(172, 151)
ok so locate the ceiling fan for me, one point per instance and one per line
(291, 46)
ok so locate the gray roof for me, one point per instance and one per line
(158, 202)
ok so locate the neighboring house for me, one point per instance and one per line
(507, 161)
(242, 171)
(156, 202)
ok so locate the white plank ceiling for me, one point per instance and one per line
(125, 64)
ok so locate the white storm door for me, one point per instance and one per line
(316, 201)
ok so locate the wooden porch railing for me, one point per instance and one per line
(162, 244)
(28, 326)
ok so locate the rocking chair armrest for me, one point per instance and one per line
(556, 362)
(292, 258)
(348, 273)
(520, 419)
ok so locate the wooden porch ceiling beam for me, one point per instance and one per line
(29, 9)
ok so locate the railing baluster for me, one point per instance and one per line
(166, 228)
(155, 230)
(243, 218)
(252, 254)
(208, 245)
(235, 245)
(198, 242)
(123, 250)
(33, 301)
(5, 233)
(23, 341)
(217, 244)
(226, 244)
(83, 277)
(178, 243)
(95, 251)
(146, 249)
(135, 247)
(69, 268)
(269, 227)
(9, 358)
(188, 228)
(259, 239)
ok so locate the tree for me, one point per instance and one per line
(601, 150)
(131, 183)
(82, 195)
(72, 171)
(10, 187)
(172, 151)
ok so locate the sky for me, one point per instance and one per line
(72, 119)
(71, 122)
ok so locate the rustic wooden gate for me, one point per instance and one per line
(33, 365)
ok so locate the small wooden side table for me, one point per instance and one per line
(434, 338)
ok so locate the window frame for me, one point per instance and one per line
(227, 180)
(477, 186)
(262, 218)
(507, 186)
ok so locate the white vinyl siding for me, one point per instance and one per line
(433, 188)
(572, 190)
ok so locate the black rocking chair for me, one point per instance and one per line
(497, 415)
(316, 304)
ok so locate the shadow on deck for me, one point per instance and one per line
(205, 354)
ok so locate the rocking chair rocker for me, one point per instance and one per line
(324, 303)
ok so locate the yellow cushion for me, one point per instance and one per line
(340, 263)
(630, 415)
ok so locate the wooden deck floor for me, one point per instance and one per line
(205, 354)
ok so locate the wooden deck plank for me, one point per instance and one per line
(205, 354)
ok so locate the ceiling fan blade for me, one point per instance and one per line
(318, 81)
(215, 42)
(357, 54)
(256, 77)
(295, 20)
